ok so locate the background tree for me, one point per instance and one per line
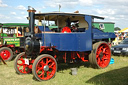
(117, 29)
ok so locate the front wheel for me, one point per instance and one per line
(44, 67)
(20, 65)
(6, 53)
(100, 55)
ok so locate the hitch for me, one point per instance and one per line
(2, 60)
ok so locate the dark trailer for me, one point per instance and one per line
(70, 39)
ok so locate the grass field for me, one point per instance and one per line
(114, 74)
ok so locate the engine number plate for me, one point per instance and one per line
(27, 61)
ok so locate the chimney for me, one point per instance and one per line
(31, 12)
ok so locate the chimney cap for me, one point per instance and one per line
(30, 9)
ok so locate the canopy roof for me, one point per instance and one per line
(15, 24)
(55, 14)
(105, 22)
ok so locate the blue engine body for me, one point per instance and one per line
(75, 41)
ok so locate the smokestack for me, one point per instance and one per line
(31, 12)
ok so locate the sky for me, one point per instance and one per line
(15, 11)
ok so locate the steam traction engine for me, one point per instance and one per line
(11, 39)
(71, 38)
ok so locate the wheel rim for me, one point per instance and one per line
(5, 54)
(22, 67)
(46, 68)
(103, 55)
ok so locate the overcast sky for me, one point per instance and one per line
(113, 10)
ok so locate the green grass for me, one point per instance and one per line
(114, 74)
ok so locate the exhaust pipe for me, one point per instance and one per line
(31, 12)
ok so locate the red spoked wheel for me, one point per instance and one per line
(6, 53)
(66, 30)
(44, 67)
(22, 64)
(100, 55)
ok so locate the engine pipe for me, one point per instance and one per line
(31, 12)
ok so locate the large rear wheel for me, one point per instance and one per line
(6, 53)
(44, 67)
(100, 55)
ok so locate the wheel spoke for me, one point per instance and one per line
(105, 58)
(97, 56)
(98, 60)
(104, 50)
(102, 61)
(101, 48)
(23, 70)
(98, 52)
(42, 74)
(102, 64)
(42, 63)
(18, 67)
(52, 65)
(48, 62)
(39, 69)
(21, 59)
(48, 73)
(106, 53)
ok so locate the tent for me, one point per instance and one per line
(124, 30)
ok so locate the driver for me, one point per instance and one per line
(75, 26)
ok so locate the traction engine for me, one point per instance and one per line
(44, 50)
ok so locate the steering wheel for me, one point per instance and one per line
(66, 30)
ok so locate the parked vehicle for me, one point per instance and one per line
(120, 49)
(11, 39)
(73, 39)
